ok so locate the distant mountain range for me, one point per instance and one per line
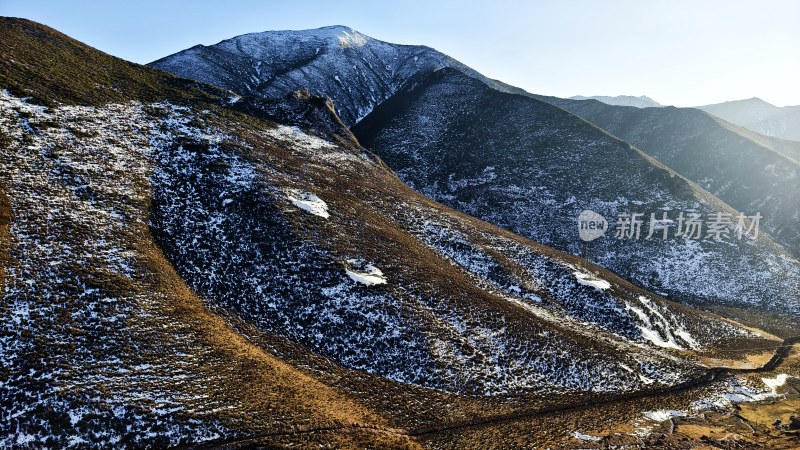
(642, 101)
(753, 114)
(759, 116)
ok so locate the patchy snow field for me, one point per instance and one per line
(74, 350)
(465, 310)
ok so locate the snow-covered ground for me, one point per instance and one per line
(531, 168)
(83, 363)
(88, 183)
(734, 390)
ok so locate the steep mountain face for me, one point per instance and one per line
(355, 70)
(759, 116)
(641, 101)
(749, 172)
(532, 168)
(149, 246)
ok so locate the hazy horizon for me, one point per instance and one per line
(677, 53)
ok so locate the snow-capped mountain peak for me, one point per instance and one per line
(356, 71)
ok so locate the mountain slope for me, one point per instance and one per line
(356, 71)
(759, 116)
(532, 168)
(747, 171)
(642, 101)
(689, 144)
(172, 265)
(102, 342)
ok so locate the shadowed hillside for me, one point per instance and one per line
(750, 172)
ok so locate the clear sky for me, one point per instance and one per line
(678, 52)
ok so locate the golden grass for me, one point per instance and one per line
(697, 431)
(766, 413)
(251, 377)
(39, 62)
(747, 361)
(775, 324)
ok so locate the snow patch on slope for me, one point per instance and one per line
(352, 38)
(591, 280)
(308, 202)
(369, 276)
(775, 383)
(657, 329)
(739, 390)
(296, 138)
(585, 437)
(663, 414)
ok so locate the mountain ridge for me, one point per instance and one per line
(759, 116)
(750, 172)
(641, 101)
(777, 221)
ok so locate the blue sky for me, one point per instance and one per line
(678, 52)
